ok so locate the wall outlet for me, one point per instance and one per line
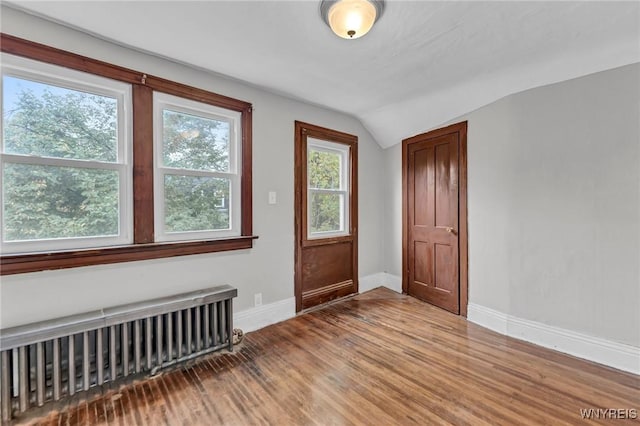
(272, 197)
(257, 299)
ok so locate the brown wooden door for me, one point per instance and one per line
(326, 215)
(432, 223)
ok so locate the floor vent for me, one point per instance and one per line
(52, 360)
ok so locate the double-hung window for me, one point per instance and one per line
(65, 158)
(197, 178)
(328, 188)
(104, 164)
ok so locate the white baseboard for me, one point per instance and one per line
(380, 279)
(393, 282)
(487, 317)
(369, 282)
(262, 316)
(616, 355)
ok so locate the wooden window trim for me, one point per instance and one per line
(303, 131)
(143, 247)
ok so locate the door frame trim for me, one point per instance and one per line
(463, 242)
(302, 130)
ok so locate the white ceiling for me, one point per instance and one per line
(423, 64)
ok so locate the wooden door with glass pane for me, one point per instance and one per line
(326, 215)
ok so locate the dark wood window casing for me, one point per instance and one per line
(143, 247)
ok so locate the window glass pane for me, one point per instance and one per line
(325, 212)
(195, 143)
(42, 202)
(323, 169)
(195, 203)
(47, 120)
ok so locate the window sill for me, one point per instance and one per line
(310, 242)
(33, 262)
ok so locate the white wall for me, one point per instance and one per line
(554, 205)
(267, 268)
(393, 211)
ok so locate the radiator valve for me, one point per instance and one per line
(238, 335)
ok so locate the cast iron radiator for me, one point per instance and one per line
(51, 360)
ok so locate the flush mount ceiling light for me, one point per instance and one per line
(351, 18)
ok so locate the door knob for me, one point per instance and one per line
(448, 229)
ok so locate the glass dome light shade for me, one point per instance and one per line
(351, 19)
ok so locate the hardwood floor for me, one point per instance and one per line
(379, 358)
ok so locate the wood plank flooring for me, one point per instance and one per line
(379, 358)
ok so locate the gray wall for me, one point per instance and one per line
(267, 268)
(554, 205)
(554, 188)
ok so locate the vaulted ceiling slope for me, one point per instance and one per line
(423, 64)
